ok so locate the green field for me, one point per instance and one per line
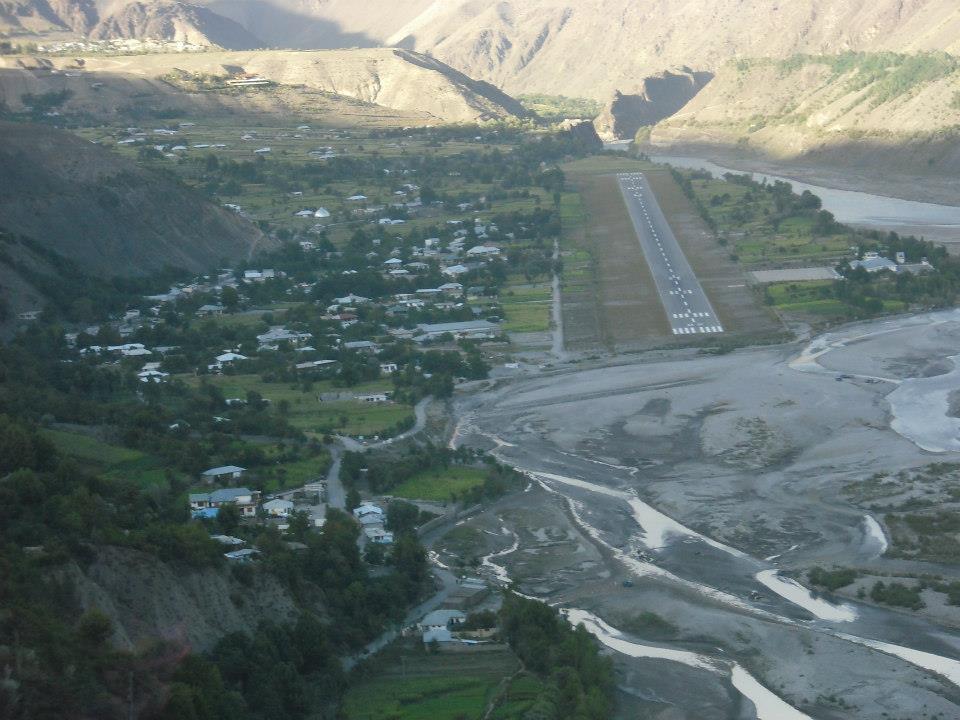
(816, 298)
(112, 460)
(441, 485)
(307, 413)
(526, 307)
(412, 684)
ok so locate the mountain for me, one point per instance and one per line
(869, 110)
(659, 97)
(176, 21)
(397, 86)
(590, 48)
(168, 20)
(105, 213)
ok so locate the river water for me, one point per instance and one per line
(850, 207)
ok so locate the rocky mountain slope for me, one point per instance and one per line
(415, 88)
(658, 97)
(589, 48)
(175, 21)
(106, 213)
(875, 109)
(169, 20)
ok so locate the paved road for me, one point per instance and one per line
(686, 304)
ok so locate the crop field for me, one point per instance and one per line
(816, 299)
(526, 306)
(442, 485)
(742, 217)
(307, 412)
(112, 460)
(413, 684)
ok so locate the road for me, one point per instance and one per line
(686, 304)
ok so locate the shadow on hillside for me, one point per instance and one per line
(284, 28)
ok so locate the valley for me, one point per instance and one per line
(476, 360)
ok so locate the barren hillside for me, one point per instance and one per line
(590, 48)
(874, 109)
(107, 214)
(422, 90)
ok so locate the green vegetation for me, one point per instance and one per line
(431, 473)
(831, 579)
(885, 75)
(896, 594)
(925, 536)
(560, 107)
(763, 224)
(442, 484)
(578, 681)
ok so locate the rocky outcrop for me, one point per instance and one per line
(659, 97)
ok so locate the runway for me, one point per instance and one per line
(686, 304)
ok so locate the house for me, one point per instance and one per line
(304, 213)
(228, 358)
(369, 514)
(221, 474)
(378, 536)
(154, 376)
(483, 251)
(207, 310)
(314, 364)
(470, 329)
(455, 270)
(241, 556)
(246, 500)
(279, 334)
(278, 508)
(322, 213)
(352, 299)
(441, 620)
(393, 262)
(227, 540)
(373, 398)
(365, 346)
(388, 368)
(357, 198)
(451, 288)
(872, 262)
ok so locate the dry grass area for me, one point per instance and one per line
(609, 296)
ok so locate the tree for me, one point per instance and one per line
(402, 516)
(353, 499)
(228, 518)
(230, 298)
(299, 525)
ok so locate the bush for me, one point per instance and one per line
(831, 579)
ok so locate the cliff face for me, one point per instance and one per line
(147, 599)
(659, 97)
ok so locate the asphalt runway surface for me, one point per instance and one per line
(686, 304)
